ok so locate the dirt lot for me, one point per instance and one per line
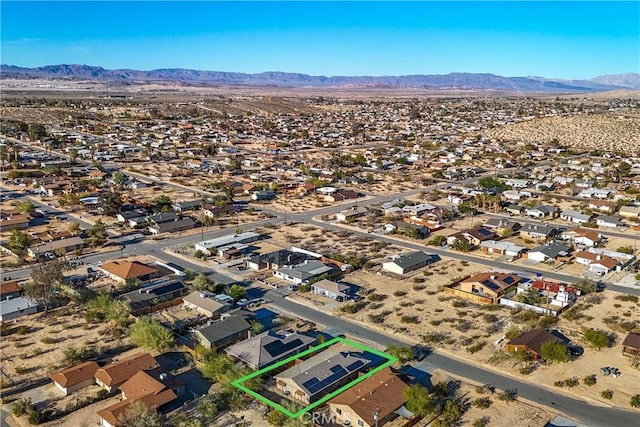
(35, 348)
(414, 308)
(499, 413)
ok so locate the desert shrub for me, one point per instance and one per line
(571, 382)
(353, 307)
(399, 293)
(597, 338)
(440, 389)
(459, 303)
(407, 303)
(490, 318)
(546, 321)
(48, 340)
(527, 369)
(499, 357)
(509, 395)
(589, 380)
(513, 332)
(409, 319)
(22, 330)
(36, 417)
(476, 347)
(480, 422)
(439, 310)
(418, 280)
(627, 298)
(435, 337)
(482, 402)
(21, 407)
(376, 297)
(607, 394)
(464, 325)
(558, 383)
(435, 322)
(375, 305)
(376, 318)
(635, 401)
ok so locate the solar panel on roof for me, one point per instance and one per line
(489, 284)
(169, 288)
(277, 348)
(355, 365)
(508, 280)
(321, 385)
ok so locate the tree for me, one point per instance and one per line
(597, 338)
(149, 333)
(37, 131)
(140, 415)
(635, 401)
(625, 250)
(402, 353)
(207, 407)
(437, 241)
(110, 202)
(237, 292)
(162, 201)
(276, 418)
(119, 178)
(26, 207)
(18, 242)
(531, 296)
(46, 277)
(74, 228)
(418, 400)
(441, 389)
(554, 352)
(462, 246)
(586, 285)
(451, 412)
(98, 234)
(201, 283)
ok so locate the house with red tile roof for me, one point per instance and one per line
(75, 377)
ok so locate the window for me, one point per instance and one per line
(361, 423)
(338, 411)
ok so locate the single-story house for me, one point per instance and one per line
(205, 304)
(582, 237)
(9, 289)
(263, 195)
(114, 374)
(172, 226)
(354, 212)
(501, 226)
(539, 231)
(514, 209)
(276, 259)
(373, 402)
(125, 271)
(609, 221)
(574, 216)
(411, 261)
(190, 205)
(342, 195)
(631, 212)
(598, 263)
(223, 333)
(145, 299)
(213, 211)
(228, 240)
(65, 245)
(492, 285)
(150, 389)
(631, 345)
(323, 373)
(541, 211)
(549, 251)
(162, 217)
(531, 342)
(14, 222)
(301, 273)
(334, 290)
(76, 377)
(502, 248)
(269, 347)
(14, 308)
(473, 236)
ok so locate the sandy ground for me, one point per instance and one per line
(610, 132)
(422, 314)
(499, 414)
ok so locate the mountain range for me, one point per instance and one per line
(471, 81)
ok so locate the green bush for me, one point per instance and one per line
(635, 401)
(21, 407)
(607, 394)
(482, 402)
(22, 330)
(399, 293)
(476, 347)
(589, 380)
(409, 319)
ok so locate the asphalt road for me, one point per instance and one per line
(594, 416)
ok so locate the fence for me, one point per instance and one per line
(535, 308)
(467, 295)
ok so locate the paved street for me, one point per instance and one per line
(593, 416)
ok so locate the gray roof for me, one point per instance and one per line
(306, 270)
(57, 244)
(224, 329)
(173, 225)
(317, 374)
(162, 217)
(334, 287)
(575, 214)
(13, 305)
(411, 259)
(610, 219)
(542, 229)
(281, 257)
(202, 300)
(553, 249)
(269, 347)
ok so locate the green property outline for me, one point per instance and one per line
(238, 383)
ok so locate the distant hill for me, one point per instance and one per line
(481, 81)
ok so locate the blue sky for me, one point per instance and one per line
(551, 39)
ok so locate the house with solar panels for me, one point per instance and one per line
(269, 347)
(491, 286)
(322, 374)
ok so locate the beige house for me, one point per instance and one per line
(372, 402)
(490, 285)
(76, 377)
(111, 376)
